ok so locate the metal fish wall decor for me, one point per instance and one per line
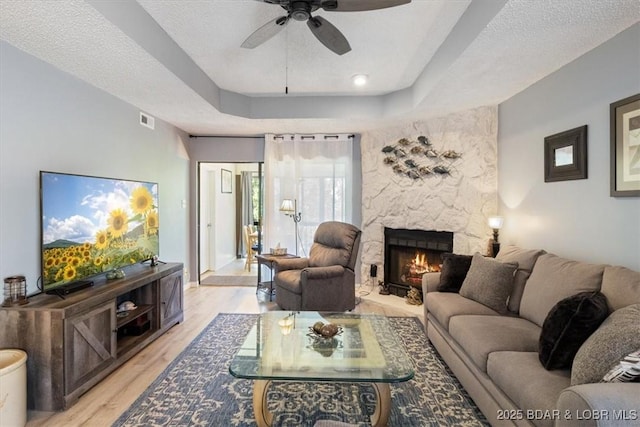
(418, 151)
(450, 154)
(388, 149)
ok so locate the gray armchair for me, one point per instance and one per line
(325, 281)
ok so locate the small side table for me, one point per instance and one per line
(268, 260)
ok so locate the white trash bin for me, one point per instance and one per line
(13, 388)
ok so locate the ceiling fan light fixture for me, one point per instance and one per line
(360, 79)
(322, 29)
(300, 10)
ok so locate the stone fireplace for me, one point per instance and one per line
(408, 254)
(460, 202)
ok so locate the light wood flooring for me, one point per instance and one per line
(234, 268)
(105, 402)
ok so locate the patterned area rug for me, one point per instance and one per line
(196, 389)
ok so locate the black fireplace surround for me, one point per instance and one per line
(408, 254)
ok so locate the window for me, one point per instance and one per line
(317, 174)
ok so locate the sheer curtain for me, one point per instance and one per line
(316, 171)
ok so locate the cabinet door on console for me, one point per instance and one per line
(90, 344)
(171, 299)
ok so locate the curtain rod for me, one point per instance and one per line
(261, 136)
(313, 136)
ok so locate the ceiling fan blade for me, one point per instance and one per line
(265, 32)
(328, 35)
(359, 5)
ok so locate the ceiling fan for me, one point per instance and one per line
(325, 32)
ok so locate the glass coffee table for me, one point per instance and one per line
(282, 346)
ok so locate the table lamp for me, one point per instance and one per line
(495, 222)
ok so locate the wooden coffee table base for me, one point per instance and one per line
(264, 418)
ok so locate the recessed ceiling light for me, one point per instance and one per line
(360, 79)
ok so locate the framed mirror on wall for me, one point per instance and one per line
(565, 155)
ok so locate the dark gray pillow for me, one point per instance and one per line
(454, 270)
(489, 282)
(568, 325)
(618, 336)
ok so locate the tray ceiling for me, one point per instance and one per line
(181, 60)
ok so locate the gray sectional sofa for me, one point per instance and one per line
(494, 353)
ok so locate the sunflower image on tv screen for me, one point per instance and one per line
(92, 225)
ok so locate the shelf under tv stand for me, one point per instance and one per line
(75, 342)
(132, 315)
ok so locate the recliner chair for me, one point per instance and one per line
(325, 281)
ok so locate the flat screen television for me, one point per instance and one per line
(91, 225)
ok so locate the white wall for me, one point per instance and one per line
(52, 121)
(225, 217)
(221, 208)
(576, 219)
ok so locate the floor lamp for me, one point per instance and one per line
(290, 208)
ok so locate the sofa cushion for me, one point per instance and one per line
(554, 278)
(568, 325)
(444, 305)
(618, 336)
(526, 259)
(454, 270)
(489, 282)
(621, 286)
(482, 335)
(532, 388)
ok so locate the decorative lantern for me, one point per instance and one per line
(15, 291)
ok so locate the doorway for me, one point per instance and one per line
(230, 196)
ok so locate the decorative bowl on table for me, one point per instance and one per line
(278, 251)
(324, 331)
(323, 338)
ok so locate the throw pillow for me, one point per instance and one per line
(489, 282)
(627, 371)
(568, 325)
(454, 270)
(618, 336)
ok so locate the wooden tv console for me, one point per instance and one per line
(73, 343)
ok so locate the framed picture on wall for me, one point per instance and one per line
(225, 179)
(625, 147)
(565, 155)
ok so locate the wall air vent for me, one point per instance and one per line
(147, 121)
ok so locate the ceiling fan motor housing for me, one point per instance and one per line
(300, 10)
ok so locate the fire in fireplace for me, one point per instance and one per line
(408, 254)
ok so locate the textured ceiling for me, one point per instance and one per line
(391, 45)
(181, 60)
